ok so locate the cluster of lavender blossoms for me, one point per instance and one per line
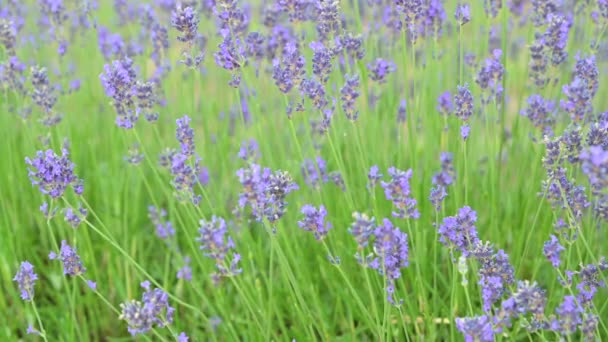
(264, 192)
(53, 174)
(398, 191)
(152, 311)
(390, 249)
(442, 180)
(219, 246)
(26, 278)
(314, 221)
(184, 164)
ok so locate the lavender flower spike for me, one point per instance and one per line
(314, 221)
(153, 309)
(53, 174)
(459, 231)
(70, 259)
(398, 191)
(26, 278)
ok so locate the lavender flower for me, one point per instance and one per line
(185, 20)
(362, 229)
(556, 38)
(289, 70)
(134, 155)
(578, 99)
(186, 271)
(495, 273)
(154, 309)
(447, 174)
(490, 77)
(53, 11)
(437, 195)
(598, 135)
(249, 151)
(492, 7)
(44, 95)
(160, 42)
(444, 103)
(32, 331)
(379, 69)
(463, 13)
(278, 185)
(26, 278)
(164, 229)
(464, 103)
(540, 113)
(11, 75)
(185, 135)
(110, 44)
(336, 178)
(321, 61)
(459, 231)
(351, 45)
(539, 59)
(402, 112)
(552, 250)
(297, 10)
(349, 94)
(541, 10)
(572, 143)
(44, 208)
(563, 193)
(595, 166)
(586, 68)
(314, 221)
(53, 174)
(528, 298)
(374, 176)
(8, 35)
(327, 16)
(182, 337)
(590, 280)
(219, 246)
(145, 93)
(391, 249)
(118, 80)
(73, 217)
(568, 316)
(398, 191)
(186, 175)
(432, 19)
(603, 8)
(412, 10)
(231, 53)
(315, 91)
(264, 192)
(70, 259)
(465, 130)
(476, 328)
(315, 172)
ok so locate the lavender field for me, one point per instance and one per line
(304, 170)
